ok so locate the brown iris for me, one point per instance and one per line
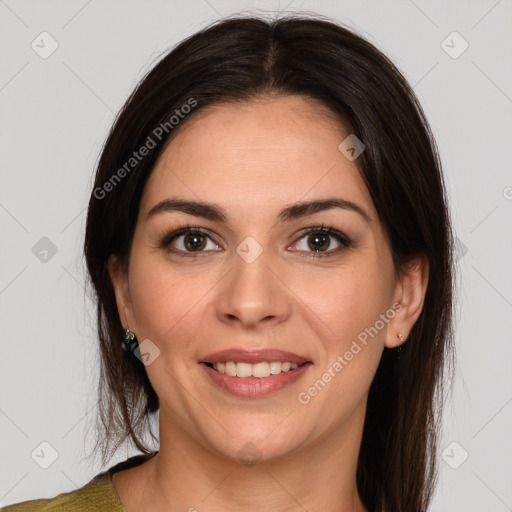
(317, 244)
(194, 241)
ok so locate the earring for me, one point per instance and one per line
(130, 342)
(399, 348)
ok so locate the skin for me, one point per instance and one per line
(253, 159)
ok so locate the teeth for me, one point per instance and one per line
(230, 368)
(275, 367)
(259, 370)
(243, 370)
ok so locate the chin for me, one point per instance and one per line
(257, 441)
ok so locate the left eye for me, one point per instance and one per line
(318, 240)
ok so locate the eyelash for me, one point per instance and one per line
(165, 241)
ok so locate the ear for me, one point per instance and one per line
(119, 278)
(408, 300)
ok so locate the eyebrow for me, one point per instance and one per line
(290, 212)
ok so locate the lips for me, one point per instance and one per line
(253, 356)
(251, 386)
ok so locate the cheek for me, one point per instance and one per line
(350, 302)
(345, 299)
(167, 304)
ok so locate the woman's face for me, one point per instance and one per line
(253, 280)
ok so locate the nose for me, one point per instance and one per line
(253, 293)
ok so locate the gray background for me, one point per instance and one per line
(55, 113)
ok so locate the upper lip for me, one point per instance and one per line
(253, 356)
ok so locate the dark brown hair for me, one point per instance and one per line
(240, 59)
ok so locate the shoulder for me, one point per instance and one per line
(26, 506)
(98, 494)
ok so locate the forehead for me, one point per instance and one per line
(257, 155)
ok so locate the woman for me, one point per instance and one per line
(269, 234)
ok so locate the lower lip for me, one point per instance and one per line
(254, 387)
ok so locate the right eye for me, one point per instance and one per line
(188, 242)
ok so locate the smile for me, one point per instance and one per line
(253, 373)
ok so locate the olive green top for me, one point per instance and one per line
(96, 495)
